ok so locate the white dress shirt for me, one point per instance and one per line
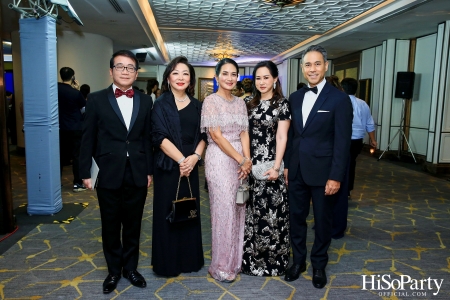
(309, 100)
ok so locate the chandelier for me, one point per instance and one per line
(221, 55)
(282, 3)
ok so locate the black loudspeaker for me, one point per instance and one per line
(405, 85)
(141, 56)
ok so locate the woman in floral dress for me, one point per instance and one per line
(224, 119)
(266, 239)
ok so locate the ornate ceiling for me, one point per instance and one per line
(254, 30)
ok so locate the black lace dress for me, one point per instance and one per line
(266, 239)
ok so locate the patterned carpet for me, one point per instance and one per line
(398, 237)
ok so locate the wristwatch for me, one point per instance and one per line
(198, 155)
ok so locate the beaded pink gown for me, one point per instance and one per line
(227, 217)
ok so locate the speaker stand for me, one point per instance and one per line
(400, 130)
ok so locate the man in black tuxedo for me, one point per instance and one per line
(116, 132)
(316, 160)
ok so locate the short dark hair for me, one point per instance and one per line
(316, 48)
(150, 84)
(239, 85)
(85, 90)
(171, 66)
(126, 53)
(247, 84)
(349, 85)
(223, 62)
(66, 73)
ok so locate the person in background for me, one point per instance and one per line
(238, 91)
(334, 81)
(176, 247)
(266, 238)
(315, 162)
(85, 90)
(117, 134)
(152, 86)
(158, 93)
(70, 103)
(362, 123)
(11, 117)
(227, 160)
(247, 85)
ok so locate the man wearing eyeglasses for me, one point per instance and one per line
(116, 132)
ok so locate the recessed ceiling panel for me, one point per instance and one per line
(197, 46)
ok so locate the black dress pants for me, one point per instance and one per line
(300, 195)
(69, 149)
(355, 149)
(121, 214)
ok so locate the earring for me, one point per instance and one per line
(274, 85)
(168, 85)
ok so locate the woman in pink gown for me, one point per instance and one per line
(227, 160)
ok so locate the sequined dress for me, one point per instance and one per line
(227, 217)
(266, 239)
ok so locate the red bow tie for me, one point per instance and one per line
(129, 93)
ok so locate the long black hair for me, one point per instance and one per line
(277, 91)
(170, 67)
(226, 61)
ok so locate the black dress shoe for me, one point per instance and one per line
(293, 273)
(110, 283)
(319, 278)
(135, 278)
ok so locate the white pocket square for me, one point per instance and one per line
(319, 111)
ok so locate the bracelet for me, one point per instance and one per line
(242, 162)
(276, 169)
(198, 156)
(181, 160)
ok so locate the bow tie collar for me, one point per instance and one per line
(313, 89)
(129, 93)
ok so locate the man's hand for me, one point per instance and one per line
(149, 180)
(87, 183)
(332, 187)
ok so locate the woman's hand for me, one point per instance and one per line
(188, 165)
(245, 169)
(273, 175)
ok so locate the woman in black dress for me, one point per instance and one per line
(178, 143)
(266, 236)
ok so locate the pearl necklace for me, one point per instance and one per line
(182, 100)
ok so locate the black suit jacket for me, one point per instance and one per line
(106, 138)
(320, 148)
(70, 103)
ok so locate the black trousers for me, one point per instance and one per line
(300, 195)
(69, 149)
(355, 149)
(340, 209)
(121, 214)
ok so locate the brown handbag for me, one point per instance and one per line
(184, 209)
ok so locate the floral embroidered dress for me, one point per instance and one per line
(266, 239)
(227, 217)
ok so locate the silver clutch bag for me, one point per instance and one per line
(259, 169)
(243, 193)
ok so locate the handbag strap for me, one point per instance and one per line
(178, 188)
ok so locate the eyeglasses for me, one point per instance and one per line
(129, 68)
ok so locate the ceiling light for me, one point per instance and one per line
(283, 3)
(221, 55)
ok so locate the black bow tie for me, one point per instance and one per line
(313, 89)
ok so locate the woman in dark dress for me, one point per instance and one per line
(266, 236)
(178, 143)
